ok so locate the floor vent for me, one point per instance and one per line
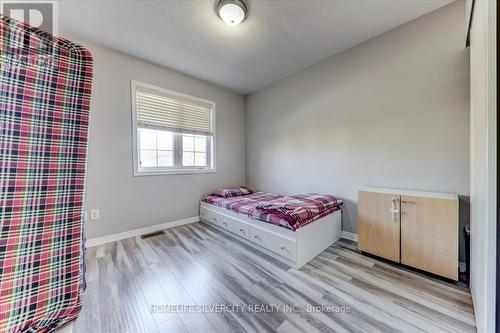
(152, 234)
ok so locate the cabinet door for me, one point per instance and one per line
(378, 224)
(429, 235)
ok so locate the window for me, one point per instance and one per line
(156, 148)
(173, 132)
(194, 150)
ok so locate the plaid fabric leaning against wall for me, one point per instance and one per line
(45, 86)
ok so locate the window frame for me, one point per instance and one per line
(152, 171)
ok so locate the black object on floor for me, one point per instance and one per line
(152, 234)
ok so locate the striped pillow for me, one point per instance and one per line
(232, 192)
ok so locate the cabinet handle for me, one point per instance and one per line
(224, 223)
(242, 231)
(283, 248)
(394, 208)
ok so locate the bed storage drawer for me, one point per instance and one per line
(210, 216)
(235, 226)
(283, 246)
(203, 213)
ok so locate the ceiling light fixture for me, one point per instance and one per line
(233, 12)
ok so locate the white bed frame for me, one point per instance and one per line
(294, 248)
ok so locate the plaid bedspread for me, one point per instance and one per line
(307, 207)
(45, 85)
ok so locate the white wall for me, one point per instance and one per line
(483, 110)
(126, 202)
(391, 112)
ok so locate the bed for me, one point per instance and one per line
(293, 229)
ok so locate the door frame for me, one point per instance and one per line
(484, 171)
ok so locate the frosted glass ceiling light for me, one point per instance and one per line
(233, 12)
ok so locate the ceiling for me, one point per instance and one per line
(278, 38)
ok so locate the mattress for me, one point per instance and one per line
(45, 85)
(306, 207)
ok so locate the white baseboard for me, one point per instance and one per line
(137, 232)
(349, 235)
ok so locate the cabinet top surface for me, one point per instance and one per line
(436, 195)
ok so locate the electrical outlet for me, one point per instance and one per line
(94, 214)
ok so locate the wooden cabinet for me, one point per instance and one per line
(429, 234)
(378, 227)
(418, 229)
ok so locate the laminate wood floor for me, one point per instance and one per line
(156, 284)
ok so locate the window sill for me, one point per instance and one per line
(140, 173)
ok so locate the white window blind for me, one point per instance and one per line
(161, 110)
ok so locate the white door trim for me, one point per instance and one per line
(483, 163)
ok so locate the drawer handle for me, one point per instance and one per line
(242, 231)
(213, 218)
(256, 236)
(224, 223)
(283, 248)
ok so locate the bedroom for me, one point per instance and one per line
(248, 165)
